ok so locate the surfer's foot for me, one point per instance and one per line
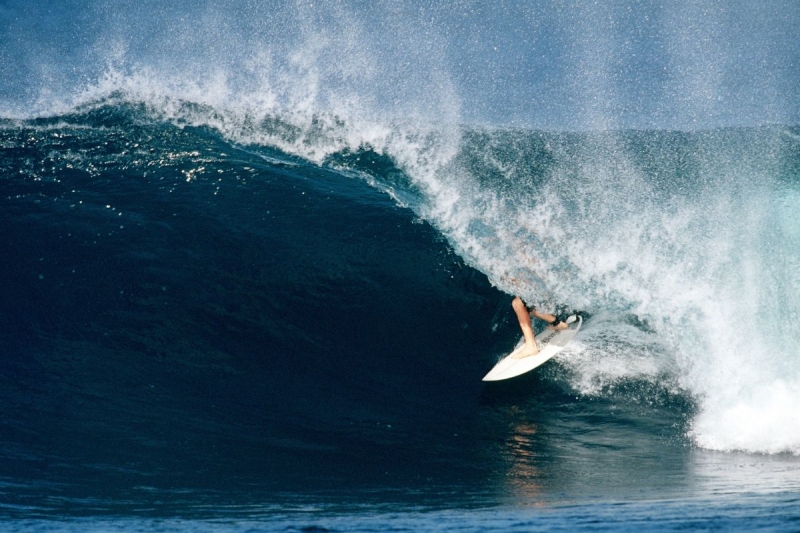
(558, 325)
(528, 351)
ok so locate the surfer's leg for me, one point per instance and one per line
(525, 325)
(552, 321)
(547, 317)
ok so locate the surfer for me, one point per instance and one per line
(524, 312)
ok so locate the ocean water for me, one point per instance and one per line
(254, 266)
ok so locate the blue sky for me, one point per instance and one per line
(555, 64)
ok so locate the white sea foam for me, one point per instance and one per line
(710, 264)
(715, 274)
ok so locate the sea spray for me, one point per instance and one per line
(691, 234)
(704, 263)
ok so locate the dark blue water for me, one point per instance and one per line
(204, 330)
(255, 260)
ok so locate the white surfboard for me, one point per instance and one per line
(550, 342)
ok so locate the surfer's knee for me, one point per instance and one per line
(518, 304)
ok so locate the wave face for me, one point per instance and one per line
(179, 310)
(276, 232)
